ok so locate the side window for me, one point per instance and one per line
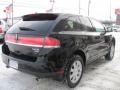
(86, 23)
(69, 24)
(64, 25)
(78, 25)
(97, 25)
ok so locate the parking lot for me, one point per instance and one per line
(99, 75)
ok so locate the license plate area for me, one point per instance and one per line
(13, 64)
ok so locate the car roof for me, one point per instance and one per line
(55, 14)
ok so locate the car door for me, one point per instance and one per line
(94, 39)
(99, 38)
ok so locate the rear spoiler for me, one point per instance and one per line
(39, 17)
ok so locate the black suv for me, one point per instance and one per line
(56, 45)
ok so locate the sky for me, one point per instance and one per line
(99, 9)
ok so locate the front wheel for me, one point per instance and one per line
(75, 71)
(110, 55)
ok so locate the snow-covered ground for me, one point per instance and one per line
(99, 75)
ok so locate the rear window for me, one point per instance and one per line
(34, 24)
(37, 27)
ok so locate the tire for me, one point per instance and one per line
(109, 56)
(74, 71)
(1, 41)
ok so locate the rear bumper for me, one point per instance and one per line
(38, 68)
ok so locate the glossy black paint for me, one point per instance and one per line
(53, 61)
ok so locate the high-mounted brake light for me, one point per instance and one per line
(46, 42)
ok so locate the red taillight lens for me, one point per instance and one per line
(51, 42)
(10, 38)
(1, 30)
(47, 42)
(31, 41)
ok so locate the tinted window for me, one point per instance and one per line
(86, 23)
(70, 24)
(78, 26)
(38, 27)
(64, 25)
(97, 25)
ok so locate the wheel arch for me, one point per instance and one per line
(83, 55)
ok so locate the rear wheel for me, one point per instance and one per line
(1, 41)
(74, 71)
(110, 55)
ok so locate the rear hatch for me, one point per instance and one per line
(28, 37)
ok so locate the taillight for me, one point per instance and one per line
(51, 42)
(10, 38)
(47, 42)
(35, 41)
(1, 30)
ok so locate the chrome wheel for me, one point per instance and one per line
(75, 71)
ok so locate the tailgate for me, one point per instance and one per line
(27, 37)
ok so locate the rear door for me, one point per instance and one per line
(94, 40)
(28, 36)
(100, 30)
